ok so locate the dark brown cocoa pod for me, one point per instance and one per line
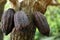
(24, 27)
(21, 20)
(7, 21)
(41, 22)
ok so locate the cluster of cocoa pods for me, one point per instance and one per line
(20, 20)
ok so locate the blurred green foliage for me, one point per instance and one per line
(53, 17)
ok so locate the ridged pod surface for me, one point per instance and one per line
(41, 22)
(7, 21)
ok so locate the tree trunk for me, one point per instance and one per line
(24, 35)
(27, 33)
(29, 7)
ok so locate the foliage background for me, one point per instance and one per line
(53, 17)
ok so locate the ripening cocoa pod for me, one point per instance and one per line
(7, 21)
(41, 22)
(21, 20)
(24, 28)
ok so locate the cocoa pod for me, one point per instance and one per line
(21, 20)
(7, 21)
(41, 22)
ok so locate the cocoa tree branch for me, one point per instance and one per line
(54, 3)
(58, 4)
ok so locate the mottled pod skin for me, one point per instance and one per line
(21, 20)
(41, 22)
(24, 28)
(7, 21)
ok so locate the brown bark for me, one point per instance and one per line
(39, 5)
(21, 35)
